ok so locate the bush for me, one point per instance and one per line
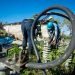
(3, 33)
(14, 50)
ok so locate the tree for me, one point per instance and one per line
(1, 25)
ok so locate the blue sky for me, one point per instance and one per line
(17, 10)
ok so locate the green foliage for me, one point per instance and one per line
(65, 68)
(25, 72)
(67, 22)
(65, 37)
(3, 33)
(15, 49)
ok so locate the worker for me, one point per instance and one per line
(53, 31)
(26, 31)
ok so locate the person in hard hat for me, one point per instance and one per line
(53, 30)
(50, 27)
(26, 31)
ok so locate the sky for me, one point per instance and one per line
(17, 10)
